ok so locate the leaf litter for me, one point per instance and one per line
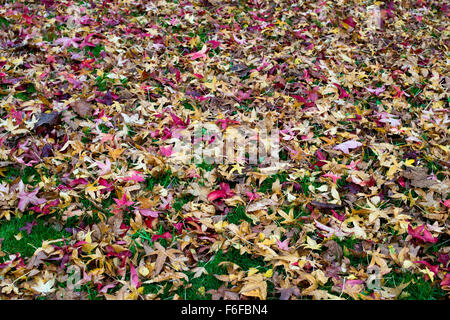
(94, 94)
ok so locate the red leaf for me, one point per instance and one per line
(422, 234)
(223, 192)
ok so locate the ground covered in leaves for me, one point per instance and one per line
(94, 94)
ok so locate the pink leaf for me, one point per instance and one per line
(135, 177)
(78, 181)
(252, 195)
(166, 152)
(104, 168)
(446, 281)
(351, 144)
(199, 54)
(337, 216)
(224, 122)
(27, 198)
(148, 213)
(178, 121)
(166, 204)
(332, 176)
(123, 201)
(349, 21)
(283, 245)
(331, 231)
(104, 289)
(134, 277)
(353, 164)
(214, 43)
(376, 91)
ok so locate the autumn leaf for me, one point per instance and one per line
(26, 198)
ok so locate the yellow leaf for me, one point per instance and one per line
(144, 271)
(312, 244)
(88, 238)
(428, 273)
(409, 162)
(269, 273)
(211, 85)
(268, 242)
(252, 271)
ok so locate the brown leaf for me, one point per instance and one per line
(82, 107)
(47, 119)
(322, 205)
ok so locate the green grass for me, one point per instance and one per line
(29, 242)
(103, 83)
(26, 95)
(205, 166)
(298, 211)
(95, 50)
(266, 185)
(305, 182)
(418, 289)
(28, 175)
(164, 179)
(4, 22)
(209, 281)
(237, 214)
(187, 105)
(349, 243)
(180, 202)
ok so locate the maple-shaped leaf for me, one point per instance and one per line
(333, 177)
(29, 226)
(165, 235)
(104, 167)
(421, 233)
(28, 197)
(346, 146)
(223, 192)
(148, 212)
(376, 91)
(44, 287)
(67, 42)
(446, 203)
(199, 54)
(82, 107)
(166, 152)
(433, 268)
(123, 201)
(135, 177)
(47, 119)
(283, 245)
